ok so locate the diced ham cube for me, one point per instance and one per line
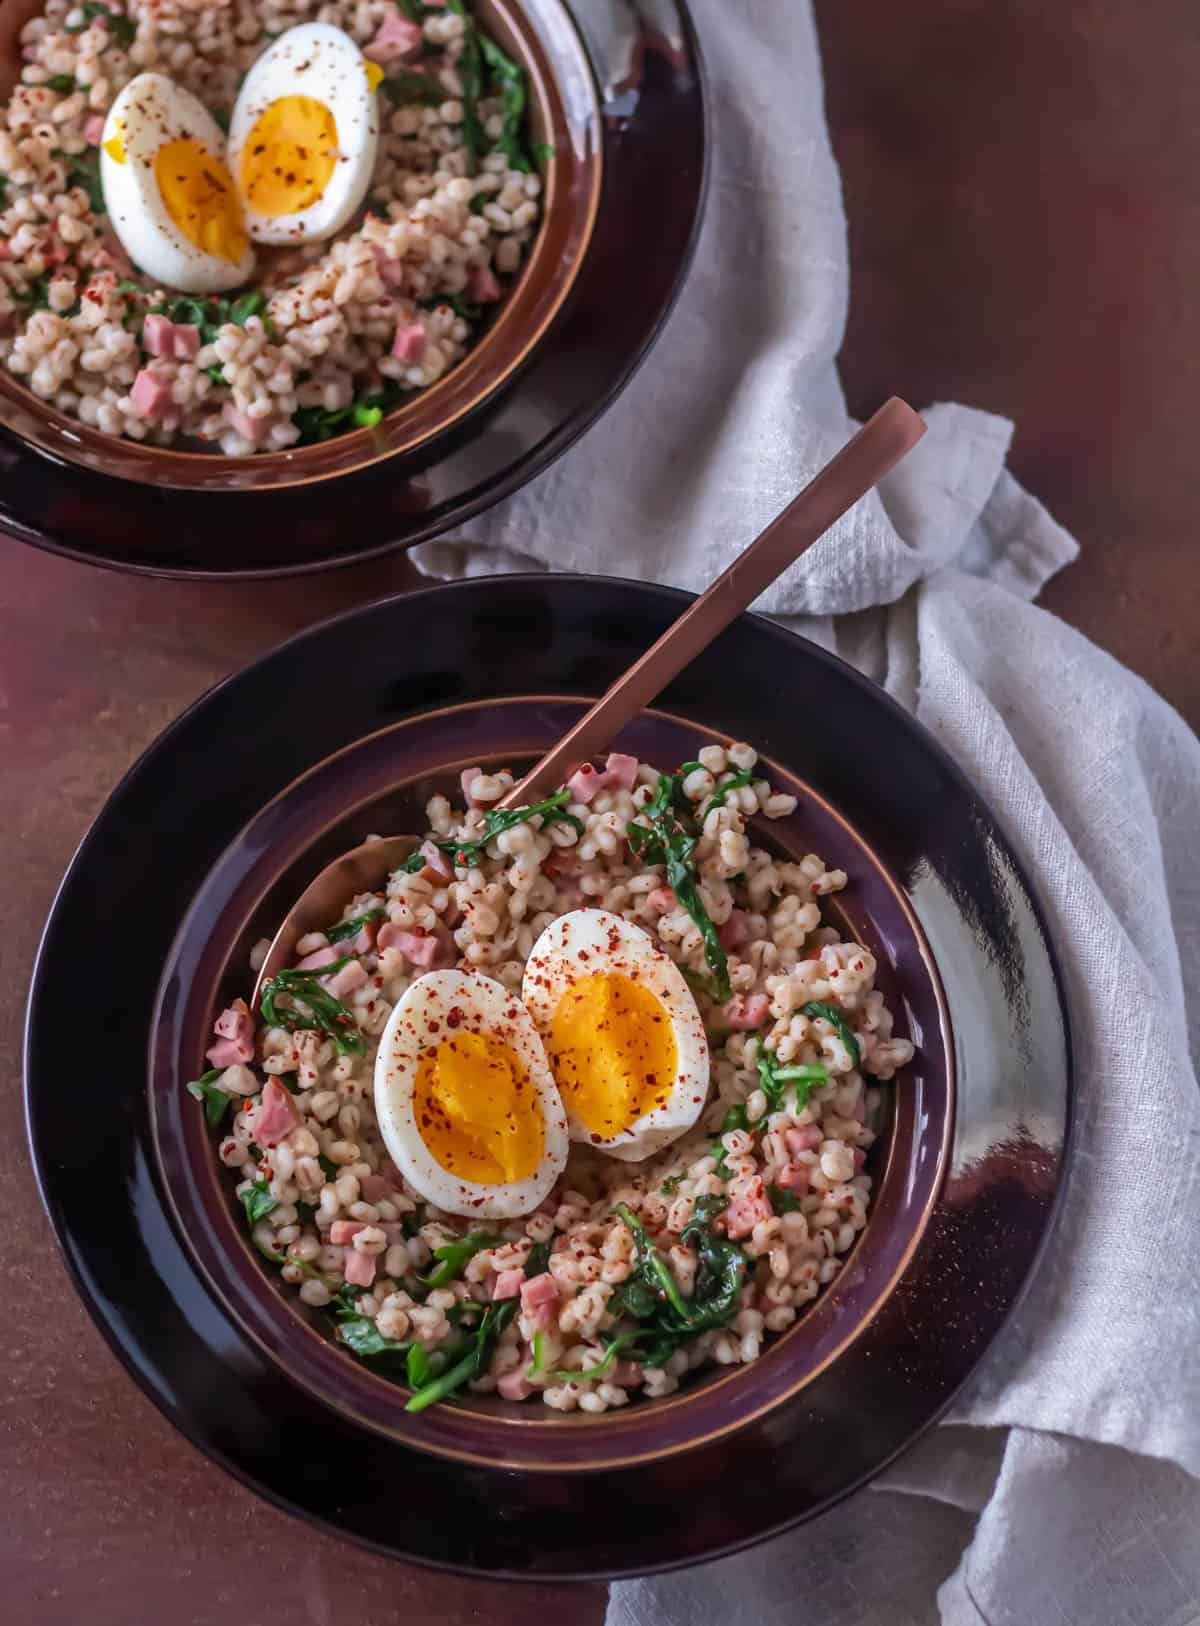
(662, 900)
(539, 1295)
(483, 286)
(735, 932)
(794, 1177)
(346, 980)
(235, 1022)
(432, 951)
(359, 1268)
(397, 40)
(156, 335)
(747, 1211)
(860, 1157)
(391, 270)
(808, 1138)
(226, 1053)
(394, 1231)
(344, 1231)
(627, 1374)
(436, 861)
(409, 343)
(275, 1116)
(162, 337)
(508, 1284)
(234, 1029)
(621, 771)
(151, 395)
(93, 129)
(746, 1011)
(375, 1187)
(253, 429)
(185, 340)
(515, 1385)
(585, 783)
(319, 957)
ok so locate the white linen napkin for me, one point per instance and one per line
(1059, 1490)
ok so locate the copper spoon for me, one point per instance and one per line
(878, 446)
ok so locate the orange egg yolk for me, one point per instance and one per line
(612, 1051)
(289, 156)
(478, 1111)
(199, 195)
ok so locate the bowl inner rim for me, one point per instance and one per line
(378, 1402)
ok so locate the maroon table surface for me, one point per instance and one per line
(1022, 185)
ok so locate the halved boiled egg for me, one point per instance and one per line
(170, 198)
(303, 135)
(465, 1099)
(623, 1034)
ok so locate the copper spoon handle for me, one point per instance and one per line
(879, 445)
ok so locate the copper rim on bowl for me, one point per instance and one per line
(370, 786)
(564, 114)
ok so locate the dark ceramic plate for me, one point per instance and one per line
(241, 803)
(621, 94)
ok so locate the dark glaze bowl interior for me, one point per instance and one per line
(380, 784)
(564, 114)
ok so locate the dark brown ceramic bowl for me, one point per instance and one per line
(381, 784)
(208, 840)
(564, 113)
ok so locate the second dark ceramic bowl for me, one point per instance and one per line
(564, 114)
(380, 784)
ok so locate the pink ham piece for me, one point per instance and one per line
(318, 958)
(621, 771)
(346, 980)
(432, 951)
(151, 395)
(344, 1231)
(744, 1012)
(93, 129)
(515, 1385)
(508, 1284)
(234, 1029)
(735, 931)
(359, 1268)
(392, 271)
(747, 1211)
(156, 335)
(436, 862)
(409, 343)
(185, 340)
(860, 1157)
(794, 1177)
(805, 1139)
(249, 428)
(662, 900)
(483, 286)
(585, 783)
(539, 1295)
(375, 1188)
(398, 40)
(275, 1116)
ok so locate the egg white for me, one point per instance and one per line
(433, 1008)
(322, 62)
(150, 112)
(592, 942)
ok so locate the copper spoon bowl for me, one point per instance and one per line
(877, 447)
